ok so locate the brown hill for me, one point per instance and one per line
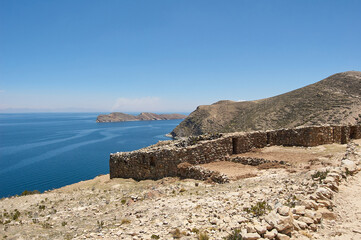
(334, 100)
(122, 117)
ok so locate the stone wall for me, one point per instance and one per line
(156, 162)
(161, 160)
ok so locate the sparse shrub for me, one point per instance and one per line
(195, 230)
(41, 207)
(319, 175)
(6, 221)
(46, 225)
(15, 216)
(348, 173)
(64, 223)
(154, 236)
(259, 209)
(123, 201)
(203, 236)
(26, 192)
(100, 224)
(291, 201)
(125, 221)
(176, 233)
(235, 235)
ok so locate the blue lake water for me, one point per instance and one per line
(42, 151)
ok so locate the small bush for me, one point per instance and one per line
(100, 224)
(64, 223)
(259, 209)
(26, 192)
(235, 235)
(348, 173)
(319, 175)
(125, 221)
(15, 216)
(195, 230)
(291, 201)
(154, 236)
(46, 225)
(41, 207)
(203, 236)
(176, 233)
(123, 201)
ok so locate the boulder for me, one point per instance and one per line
(298, 225)
(251, 236)
(284, 210)
(310, 204)
(330, 179)
(323, 193)
(281, 236)
(260, 229)
(306, 220)
(299, 210)
(271, 235)
(282, 224)
(348, 165)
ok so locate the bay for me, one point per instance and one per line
(42, 151)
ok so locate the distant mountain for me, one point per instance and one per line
(334, 100)
(122, 117)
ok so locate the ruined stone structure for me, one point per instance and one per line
(162, 159)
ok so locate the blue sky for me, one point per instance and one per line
(168, 56)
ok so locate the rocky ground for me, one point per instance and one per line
(310, 197)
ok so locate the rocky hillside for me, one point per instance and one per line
(334, 100)
(301, 200)
(122, 117)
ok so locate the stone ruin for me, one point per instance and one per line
(178, 157)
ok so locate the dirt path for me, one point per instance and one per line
(348, 209)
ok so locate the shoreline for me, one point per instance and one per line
(128, 209)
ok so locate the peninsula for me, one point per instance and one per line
(144, 116)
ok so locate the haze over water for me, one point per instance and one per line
(41, 151)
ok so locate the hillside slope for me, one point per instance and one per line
(334, 100)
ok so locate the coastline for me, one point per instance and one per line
(126, 209)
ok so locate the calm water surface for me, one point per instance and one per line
(41, 151)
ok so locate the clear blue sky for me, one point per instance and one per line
(168, 56)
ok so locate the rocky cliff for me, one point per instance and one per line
(334, 100)
(122, 117)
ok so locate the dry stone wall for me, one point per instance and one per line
(162, 160)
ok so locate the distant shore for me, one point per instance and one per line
(123, 117)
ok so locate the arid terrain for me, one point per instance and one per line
(291, 198)
(334, 100)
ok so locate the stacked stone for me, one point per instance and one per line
(186, 170)
(161, 160)
(284, 221)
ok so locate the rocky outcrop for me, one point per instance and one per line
(335, 100)
(122, 117)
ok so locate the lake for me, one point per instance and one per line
(42, 151)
